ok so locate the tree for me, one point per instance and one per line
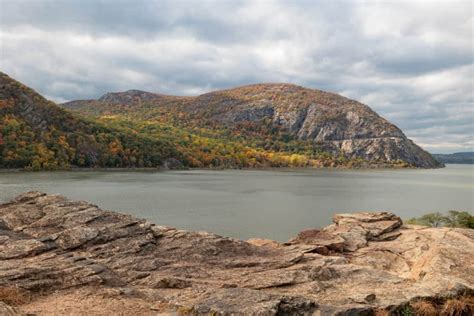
(433, 219)
(452, 219)
(459, 219)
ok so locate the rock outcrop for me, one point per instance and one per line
(61, 256)
(132, 97)
(338, 124)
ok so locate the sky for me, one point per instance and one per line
(412, 61)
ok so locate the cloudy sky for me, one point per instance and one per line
(410, 61)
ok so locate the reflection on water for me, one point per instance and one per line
(272, 204)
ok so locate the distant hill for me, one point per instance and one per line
(37, 134)
(461, 158)
(281, 118)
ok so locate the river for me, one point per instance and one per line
(273, 204)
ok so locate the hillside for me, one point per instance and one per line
(462, 158)
(280, 118)
(37, 134)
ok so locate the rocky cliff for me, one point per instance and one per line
(130, 97)
(335, 124)
(66, 257)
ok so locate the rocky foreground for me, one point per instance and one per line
(66, 257)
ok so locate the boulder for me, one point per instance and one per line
(75, 237)
(323, 242)
(21, 248)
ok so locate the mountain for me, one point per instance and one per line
(131, 97)
(462, 158)
(37, 134)
(281, 118)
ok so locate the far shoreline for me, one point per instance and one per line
(149, 169)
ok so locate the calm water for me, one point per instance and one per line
(255, 203)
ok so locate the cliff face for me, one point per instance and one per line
(130, 97)
(337, 124)
(61, 255)
(334, 123)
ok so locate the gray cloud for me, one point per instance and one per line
(410, 61)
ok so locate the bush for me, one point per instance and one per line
(458, 306)
(461, 219)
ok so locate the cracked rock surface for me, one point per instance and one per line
(71, 257)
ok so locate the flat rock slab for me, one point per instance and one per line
(58, 250)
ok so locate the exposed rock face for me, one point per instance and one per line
(129, 97)
(338, 124)
(72, 251)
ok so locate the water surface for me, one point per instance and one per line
(272, 204)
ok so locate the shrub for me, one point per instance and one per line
(458, 307)
(453, 219)
(423, 308)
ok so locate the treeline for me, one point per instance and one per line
(23, 147)
(451, 219)
(203, 148)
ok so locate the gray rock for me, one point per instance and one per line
(75, 237)
(21, 248)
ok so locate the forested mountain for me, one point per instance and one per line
(37, 134)
(264, 125)
(280, 124)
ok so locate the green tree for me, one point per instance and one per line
(452, 219)
(459, 219)
(433, 219)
